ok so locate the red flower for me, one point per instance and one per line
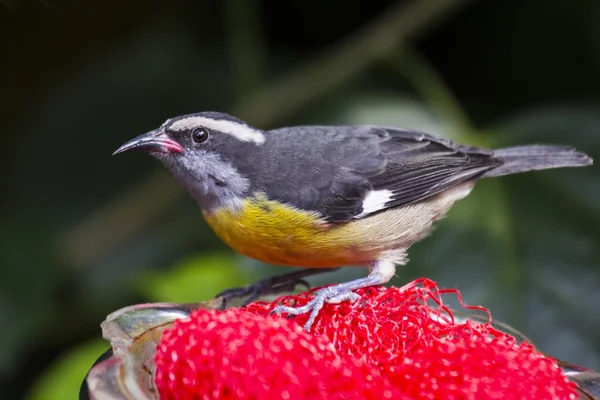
(238, 355)
(392, 343)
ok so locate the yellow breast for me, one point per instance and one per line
(284, 235)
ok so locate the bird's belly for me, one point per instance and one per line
(283, 235)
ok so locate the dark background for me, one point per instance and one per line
(83, 233)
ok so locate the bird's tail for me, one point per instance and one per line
(536, 157)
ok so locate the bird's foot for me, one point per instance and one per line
(381, 272)
(261, 288)
(270, 286)
(331, 294)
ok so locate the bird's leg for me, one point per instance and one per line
(272, 285)
(381, 272)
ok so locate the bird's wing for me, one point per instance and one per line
(352, 172)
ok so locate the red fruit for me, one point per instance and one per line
(399, 343)
(238, 355)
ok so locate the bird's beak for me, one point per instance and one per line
(154, 141)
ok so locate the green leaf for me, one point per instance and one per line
(194, 279)
(63, 378)
(27, 288)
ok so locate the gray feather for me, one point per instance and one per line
(332, 169)
(536, 157)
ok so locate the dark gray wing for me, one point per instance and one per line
(421, 165)
(332, 170)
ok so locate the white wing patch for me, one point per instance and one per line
(241, 132)
(375, 201)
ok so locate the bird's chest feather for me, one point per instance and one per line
(282, 235)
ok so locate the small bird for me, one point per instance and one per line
(323, 197)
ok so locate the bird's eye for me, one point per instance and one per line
(199, 135)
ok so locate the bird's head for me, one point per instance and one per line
(200, 151)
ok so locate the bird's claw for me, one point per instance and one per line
(254, 291)
(326, 295)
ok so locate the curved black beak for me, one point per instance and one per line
(153, 141)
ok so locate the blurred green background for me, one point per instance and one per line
(83, 233)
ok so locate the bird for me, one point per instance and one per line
(323, 197)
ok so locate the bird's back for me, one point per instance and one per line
(332, 170)
(330, 196)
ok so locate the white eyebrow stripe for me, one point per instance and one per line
(241, 132)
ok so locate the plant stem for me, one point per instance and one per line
(246, 44)
(432, 88)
